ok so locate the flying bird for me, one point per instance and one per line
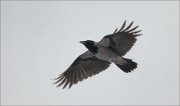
(100, 55)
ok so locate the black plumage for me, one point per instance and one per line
(100, 55)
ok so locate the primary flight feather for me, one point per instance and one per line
(100, 55)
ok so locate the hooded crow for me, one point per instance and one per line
(100, 55)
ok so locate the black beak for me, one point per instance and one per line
(83, 42)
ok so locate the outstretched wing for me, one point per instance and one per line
(86, 65)
(121, 41)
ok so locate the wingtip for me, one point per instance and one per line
(138, 35)
(129, 26)
(115, 30)
(124, 24)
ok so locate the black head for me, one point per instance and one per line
(90, 45)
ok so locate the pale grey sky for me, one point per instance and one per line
(40, 39)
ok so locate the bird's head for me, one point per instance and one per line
(88, 43)
(91, 45)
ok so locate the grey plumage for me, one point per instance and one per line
(100, 55)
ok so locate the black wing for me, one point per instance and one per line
(86, 65)
(121, 41)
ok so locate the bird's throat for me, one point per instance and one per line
(93, 49)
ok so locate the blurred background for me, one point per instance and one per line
(40, 39)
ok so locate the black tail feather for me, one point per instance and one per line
(129, 66)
